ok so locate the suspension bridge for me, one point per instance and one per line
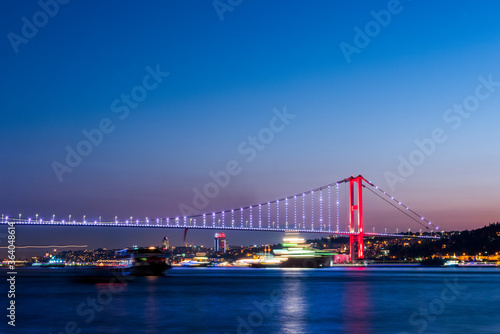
(315, 211)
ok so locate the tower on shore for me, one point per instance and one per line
(165, 244)
(220, 243)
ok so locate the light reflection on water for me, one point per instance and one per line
(238, 300)
(356, 303)
(152, 304)
(292, 313)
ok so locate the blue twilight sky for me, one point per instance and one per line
(357, 111)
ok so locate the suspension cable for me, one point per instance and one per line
(399, 209)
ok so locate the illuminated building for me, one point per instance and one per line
(220, 243)
(165, 244)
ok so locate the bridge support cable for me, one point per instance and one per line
(329, 209)
(390, 199)
(278, 213)
(268, 215)
(260, 215)
(286, 200)
(286, 213)
(295, 211)
(312, 210)
(251, 216)
(321, 210)
(304, 211)
(397, 208)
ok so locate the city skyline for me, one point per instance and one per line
(170, 95)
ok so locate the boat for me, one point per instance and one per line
(267, 263)
(196, 262)
(451, 263)
(297, 254)
(52, 263)
(130, 262)
(141, 261)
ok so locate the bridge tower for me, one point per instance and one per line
(356, 204)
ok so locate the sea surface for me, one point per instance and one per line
(353, 300)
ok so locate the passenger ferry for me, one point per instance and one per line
(196, 262)
(140, 261)
(451, 263)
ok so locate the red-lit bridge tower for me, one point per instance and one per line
(356, 204)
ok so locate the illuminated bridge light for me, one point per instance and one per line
(232, 217)
(260, 215)
(312, 210)
(277, 213)
(286, 213)
(241, 216)
(295, 210)
(303, 210)
(251, 216)
(268, 214)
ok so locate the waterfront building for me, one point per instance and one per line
(220, 242)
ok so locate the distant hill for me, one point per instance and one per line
(485, 240)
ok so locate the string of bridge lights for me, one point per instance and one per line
(214, 214)
(187, 221)
(399, 203)
(159, 221)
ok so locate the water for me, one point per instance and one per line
(237, 300)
